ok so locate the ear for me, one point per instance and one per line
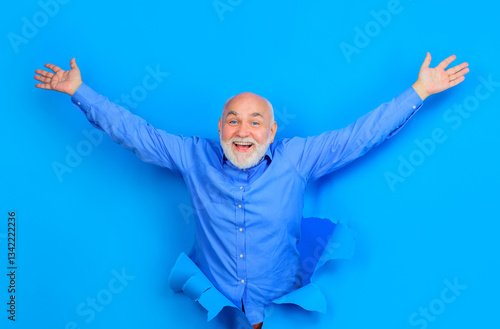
(220, 126)
(274, 128)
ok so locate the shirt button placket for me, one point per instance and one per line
(240, 247)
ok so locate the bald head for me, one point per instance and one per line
(249, 101)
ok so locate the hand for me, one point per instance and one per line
(63, 81)
(434, 80)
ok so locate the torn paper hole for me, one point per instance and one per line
(322, 240)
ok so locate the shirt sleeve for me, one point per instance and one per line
(319, 155)
(151, 145)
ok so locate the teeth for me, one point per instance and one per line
(243, 143)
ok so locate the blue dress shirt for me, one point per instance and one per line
(247, 222)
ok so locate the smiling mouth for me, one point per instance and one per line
(243, 146)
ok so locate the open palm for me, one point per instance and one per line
(435, 80)
(62, 81)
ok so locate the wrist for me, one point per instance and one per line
(75, 88)
(420, 90)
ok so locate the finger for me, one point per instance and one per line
(457, 81)
(43, 86)
(54, 67)
(446, 62)
(45, 73)
(427, 60)
(459, 74)
(42, 79)
(72, 63)
(457, 68)
(41, 72)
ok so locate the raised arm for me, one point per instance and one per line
(151, 145)
(319, 155)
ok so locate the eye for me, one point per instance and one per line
(255, 123)
(233, 122)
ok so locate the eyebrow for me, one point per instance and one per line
(255, 114)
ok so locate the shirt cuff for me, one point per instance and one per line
(83, 98)
(409, 103)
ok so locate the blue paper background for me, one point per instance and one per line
(113, 213)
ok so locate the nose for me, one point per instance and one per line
(243, 131)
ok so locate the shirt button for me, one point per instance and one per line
(241, 255)
(241, 187)
(79, 103)
(239, 206)
(244, 170)
(414, 107)
(242, 281)
(241, 230)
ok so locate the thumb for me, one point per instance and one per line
(427, 60)
(72, 63)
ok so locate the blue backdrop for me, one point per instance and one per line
(97, 230)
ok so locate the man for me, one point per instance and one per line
(248, 189)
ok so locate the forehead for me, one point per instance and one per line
(247, 104)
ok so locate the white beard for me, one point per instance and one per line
(245, 160)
